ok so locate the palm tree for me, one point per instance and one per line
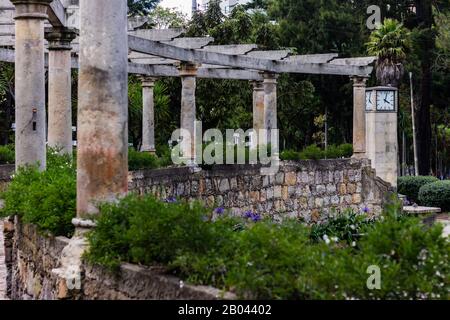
(390, 44)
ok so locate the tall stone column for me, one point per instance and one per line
(270, 104)
(102, 157)
(258, 108)
(359, 117)
(30, 82)
(60, 88)
(188, 74)
(148, 115)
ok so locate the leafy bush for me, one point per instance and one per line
(289, 155)
(410, 186)
(312, 152)
(46, 199)
(436, 194)
(259, 259)
(346, 227)
(7, 155)
(141, 160)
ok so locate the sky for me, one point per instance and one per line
(183, 5)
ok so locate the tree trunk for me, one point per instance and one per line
(425, 22)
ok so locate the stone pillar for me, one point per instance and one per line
(59, 88)
(258, 109)
(359, 117)
(148, 115)
(188, 74)
(30, 82)
(270, 104)
(102, 154)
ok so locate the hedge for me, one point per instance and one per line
(436, 194)
(410, 185)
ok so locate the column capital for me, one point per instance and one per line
(359, 81)
(60, 38)
(270, 77)
(257, 85)
(188, 69)
(31, 9)
(148, 82)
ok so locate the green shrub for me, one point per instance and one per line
(346, 150)
(410, 186)
(141, 160)
(7, 154)
(259, 259)
(46, 199)
(289, 155)
(312, 152)
(436, 194)
(347, 227)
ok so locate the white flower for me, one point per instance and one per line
(181, 284)
(353, 244)
(335, 239)
(326, 239)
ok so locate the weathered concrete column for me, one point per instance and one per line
(258, 110)
(60, 88)
(359, 117)
(188, 74)
(102, 156)
(30, 82)
(270, 104)
(148, 115)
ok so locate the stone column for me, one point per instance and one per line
(258, 108)
(59, 88)
(148, 115)
(270, 104)
(102, 154)
(188, 74)
(359, 117)
(30, 82)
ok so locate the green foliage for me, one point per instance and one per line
(46, 199)
(141, 160)
(265, 260)
(7, 154)
(313, 152)
(165, 18)
(141, 7)
(436, 194)
(389, 43)
(348, 227)
(410, 185)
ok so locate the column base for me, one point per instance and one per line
(359, 155)
(151, 151)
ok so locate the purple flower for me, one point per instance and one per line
(220, 210)
(171, 200)
(248, 215)
(256, 217)
(366, 209)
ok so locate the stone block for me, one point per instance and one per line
(224, 185)
(291, 179)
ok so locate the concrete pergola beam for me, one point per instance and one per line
(7, 55)
(205, 57)
(232, 49)
(157, 34)
(57, 14)
(270, 55)
(361, 61)
(190, 43)
(312, 58)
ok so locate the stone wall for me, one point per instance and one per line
(6, 170)
(308, 190)
(32, 256)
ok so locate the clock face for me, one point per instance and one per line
(370, 100)
(386, 100)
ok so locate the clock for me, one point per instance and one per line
(370, 100)
(385, 100)
(381, 99)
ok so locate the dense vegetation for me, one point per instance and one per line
(436, 194)
(259, 259)
(410, 186)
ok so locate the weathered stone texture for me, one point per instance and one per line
(297, 190)
(34, 256)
